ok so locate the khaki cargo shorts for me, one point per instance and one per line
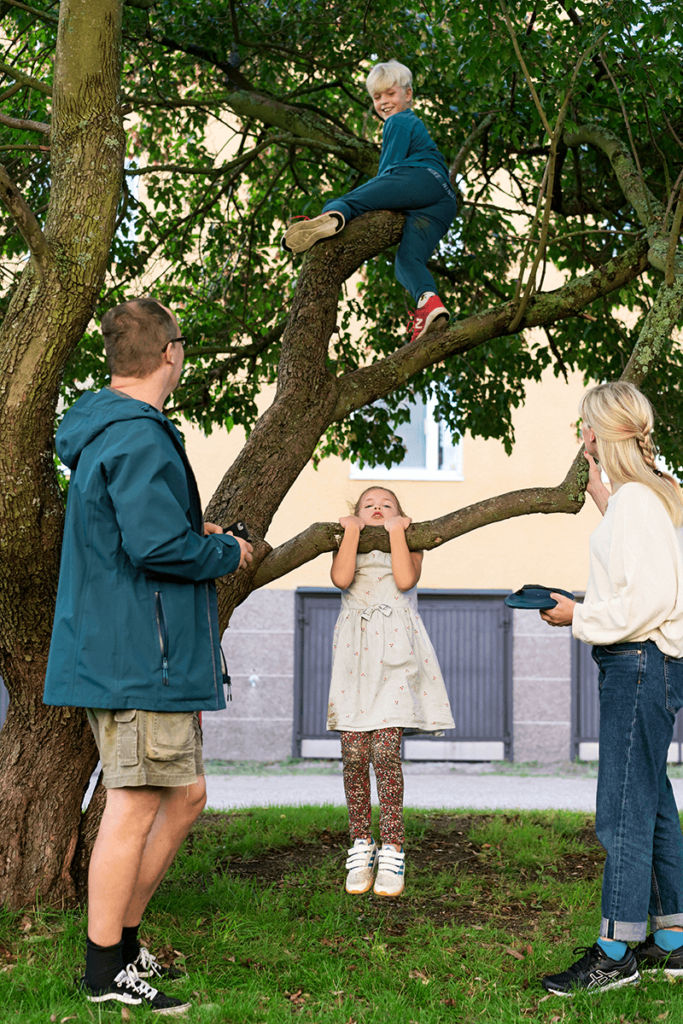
(147, 748)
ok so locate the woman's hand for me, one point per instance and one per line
(347, 521)
(596, 488)
(563, 612)
(397, 523)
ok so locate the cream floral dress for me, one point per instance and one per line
(384, 669)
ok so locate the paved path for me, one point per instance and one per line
(427, 789)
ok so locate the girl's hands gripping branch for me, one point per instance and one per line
(344, 561)
(377, 507)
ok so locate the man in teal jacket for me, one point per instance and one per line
(136, 638)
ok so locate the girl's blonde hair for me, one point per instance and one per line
(356, 507)
(623, 420)
(383, 76)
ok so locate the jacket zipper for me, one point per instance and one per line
(162, 630)
(213, 657)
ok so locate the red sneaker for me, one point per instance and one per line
(425, 319)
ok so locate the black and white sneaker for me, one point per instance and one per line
(147, 966)
(127, 987)
(650, 958)
(594, 972)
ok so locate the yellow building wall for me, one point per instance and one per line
(551, 550)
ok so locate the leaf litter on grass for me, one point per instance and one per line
(268, 932)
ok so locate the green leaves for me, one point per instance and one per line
(203, 230)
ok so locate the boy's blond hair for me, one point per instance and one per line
(383, 76)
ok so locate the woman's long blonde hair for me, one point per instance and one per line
(623, 420)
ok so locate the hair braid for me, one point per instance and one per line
(647, 450)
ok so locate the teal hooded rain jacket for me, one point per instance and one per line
(136, 622)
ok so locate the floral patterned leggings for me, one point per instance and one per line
(383, 748)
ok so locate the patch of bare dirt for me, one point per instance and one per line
(443, 847)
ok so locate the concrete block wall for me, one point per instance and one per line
(259, 650)
(541, 689)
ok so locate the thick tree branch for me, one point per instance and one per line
(23, 218)
(648, 208)
(656, 331)
(381, 378)
(307, 127)
(23, 79)
(24, 125)
(567, 497)
(49, 19)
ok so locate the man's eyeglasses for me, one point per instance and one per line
(182, 339)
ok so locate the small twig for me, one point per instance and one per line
(26, 149)
(556, 352)
(672, 196)
(670, 272)
(469, 142)
(529, 82)
(221, 169)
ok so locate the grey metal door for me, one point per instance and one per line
(471, 633)
(586, 709)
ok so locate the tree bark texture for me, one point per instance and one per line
(47, 754)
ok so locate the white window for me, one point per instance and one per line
(431, 454)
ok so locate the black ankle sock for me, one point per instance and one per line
(130, 947)
(102, 964)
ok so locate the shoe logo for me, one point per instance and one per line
(599, 978)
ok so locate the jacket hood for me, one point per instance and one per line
(94, 412)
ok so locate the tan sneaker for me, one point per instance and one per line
(361, 866)
(305, 233)
(391, 867)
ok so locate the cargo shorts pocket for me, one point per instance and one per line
(170, 735)
(126, 737)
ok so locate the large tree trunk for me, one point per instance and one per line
(47, 754)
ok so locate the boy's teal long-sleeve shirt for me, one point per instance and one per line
(407, 143)
(136, 622)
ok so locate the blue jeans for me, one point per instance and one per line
(636, 818)
(429, 205)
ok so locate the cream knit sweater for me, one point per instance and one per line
(635, 586)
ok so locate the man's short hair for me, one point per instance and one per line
(134, 335)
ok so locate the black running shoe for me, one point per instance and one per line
(147, 966)
(594, 972)
(130, 989)
(651, 957)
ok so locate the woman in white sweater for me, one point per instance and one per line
(633, 616)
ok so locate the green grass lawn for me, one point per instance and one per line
(254, 907)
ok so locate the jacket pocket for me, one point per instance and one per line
(162, 632)
(127, 737)
(170, 734)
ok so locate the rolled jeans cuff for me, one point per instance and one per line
(666, 921)
(623, 931)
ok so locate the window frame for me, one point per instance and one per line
(430, 472)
